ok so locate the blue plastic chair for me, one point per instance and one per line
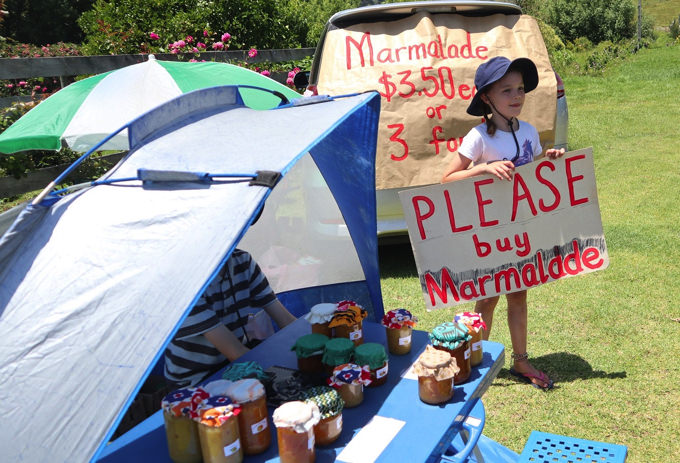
(543, 447)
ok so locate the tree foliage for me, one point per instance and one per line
(40, 22)
(597, 20)
(123, 26)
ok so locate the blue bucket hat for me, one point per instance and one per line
(493, 70)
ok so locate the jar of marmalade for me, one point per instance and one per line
(336, 352)
(218, 431)
(347, 322)
(330, 404)
(476, 326)
(294, 423)
(253, 426)
(454, 338)
(374, 356)
(180, 428)
(309, 352)
(320, 316)
(349, 379)
(435, 369)
(399, 325)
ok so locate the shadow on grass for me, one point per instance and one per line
(396, 261)
(563, 367)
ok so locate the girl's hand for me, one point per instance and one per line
(553, 153)
(501, 169)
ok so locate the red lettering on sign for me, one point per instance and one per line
(553, 189)
(483, 202)
(395, 138)
(516, 197)
(452, 220)
(442, 290)
(571, 179)
(365, 38)
(420, 216)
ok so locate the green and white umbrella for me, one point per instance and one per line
(83, 113)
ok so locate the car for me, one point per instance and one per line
(421, 57)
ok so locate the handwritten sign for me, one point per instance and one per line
(424, 68)
(481, 236)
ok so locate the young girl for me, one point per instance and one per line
(498, 145)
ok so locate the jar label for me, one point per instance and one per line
(310, 441)
(232, 448)
(467, 354)
(339, 422)
(476, 346)
(404, 341)
(354, 335)
(259, 426)
(381, 372)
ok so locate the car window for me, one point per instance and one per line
(423, 65)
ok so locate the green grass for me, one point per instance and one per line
(609, 338)
(662, 11)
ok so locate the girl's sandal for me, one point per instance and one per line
(527, 377)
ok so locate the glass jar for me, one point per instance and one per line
(218, 431)
(330, 404)
(337, 351)
(347, 321)
(349, 379)
(295, 431)
(182, 435)
(319, 317)
(220, 444)
(373, 355)
(454, 337)
(309, 351)
(476, 326)
(399, 325)
(435, 369)
(352, 394)
(354, 332)
(180, 428)
(254, 430)
(399, 340)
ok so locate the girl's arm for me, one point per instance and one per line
(458, 169)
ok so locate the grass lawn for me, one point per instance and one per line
(610, 339)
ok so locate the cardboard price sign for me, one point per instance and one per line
(481, 236)
(424, 68)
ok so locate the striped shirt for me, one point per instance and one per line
(239, 289)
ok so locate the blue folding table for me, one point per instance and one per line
(419, 432)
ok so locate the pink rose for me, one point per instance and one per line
(291, 74)
(153, 36)
(289, 81)
(265, 73)
(189, 39)
(181, 43)
(205, 33)
(217, 46)
(226, 36)
(200, 45)
(252, 53)
(195, 50)
(22, 83)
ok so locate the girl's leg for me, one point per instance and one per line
(485, 308)
(517, 323)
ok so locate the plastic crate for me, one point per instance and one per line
(543, 447)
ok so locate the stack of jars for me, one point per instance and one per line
(454, 338)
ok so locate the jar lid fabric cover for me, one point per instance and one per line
(216, 410)
(398, 318)
(326, 398)
(184, 402)
(337, 351)
(472, 320)
(371, 354)
(450, 335)
(310, 344)
(240, 370)
(245, 390)
(321, 313)
(348, 313)
(350, 373)
(437, 363)
(301, 416)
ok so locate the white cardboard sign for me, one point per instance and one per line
(481, 236)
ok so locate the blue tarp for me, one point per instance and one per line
(94, 284)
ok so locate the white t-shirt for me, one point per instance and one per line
(480, 147)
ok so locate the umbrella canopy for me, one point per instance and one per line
(83, 113)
